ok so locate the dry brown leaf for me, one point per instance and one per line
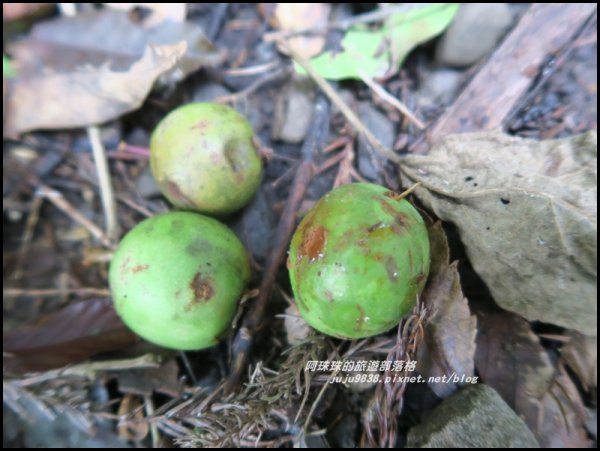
(69, 335)
(581, 355)
(146, 381)
(297, 16)
(107, 36)
(511, 359)
(86, 96)
(526, 212)
(449, 345)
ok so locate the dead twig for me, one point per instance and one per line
(59, 201)
(339, 102)
(49, 292)
(107, 195)
(386, 96)
(387, 402)
(264, 80)
(242, 342)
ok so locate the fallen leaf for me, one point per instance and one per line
(295, 16)
(581, 355)
(72, 334)
(377, 52)
(160, 11)
(511, 359)
(449, 345)
(108, 36)
(146, 381)
(526, 212)
(87, 95)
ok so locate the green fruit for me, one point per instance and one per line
(176, 279)
(203, 158)
(358, 260)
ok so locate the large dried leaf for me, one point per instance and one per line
(449, 346)
(581, 354)
(108, 36)
(87, 95)
(526, 212)
(511, 359)
(69, 335)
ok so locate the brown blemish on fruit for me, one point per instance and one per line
(288, 263)
(391, 268)
(313, 242)
(328, 295)
(201, 125)
(391, 195)
(203, 290)
(139, 268)
(176, 193)
(232, 155)
(178, 294)
(400, 219)
(361, 319)
(375, 226)
(411, 263)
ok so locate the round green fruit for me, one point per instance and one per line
(203, 158)
(176, 279)
(358, 260)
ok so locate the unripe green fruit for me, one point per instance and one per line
(176, 279)
(203, 158)
(358, 260)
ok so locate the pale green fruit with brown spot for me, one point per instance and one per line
(358, 260)
(203, 157)
(176, 278)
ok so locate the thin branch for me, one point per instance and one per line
(107, 195)
(386, 96)
(242, 342)
(59, 201)
(345, 109)
(49, 292)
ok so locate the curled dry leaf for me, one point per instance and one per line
(449, 345)
(108, 36)
(87, 95)
(72, 334)
(511, 359)
(526, 212)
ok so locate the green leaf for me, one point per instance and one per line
(407, 30)
(7, 70)
(375, 52)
